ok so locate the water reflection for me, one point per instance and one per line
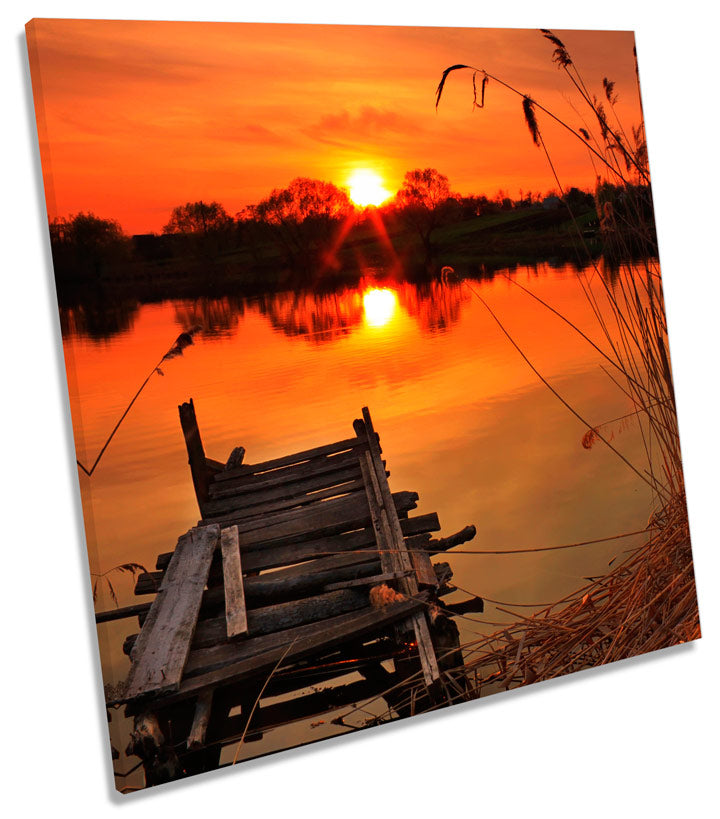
(463, 420)
(379, 305)
(318, 317)
(98, 319)
(434, 305)
(214, 316)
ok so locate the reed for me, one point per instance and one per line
(649, 600)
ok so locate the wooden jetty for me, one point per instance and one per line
(301, 569)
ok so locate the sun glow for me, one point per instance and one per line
(379, 306)
(366, 188)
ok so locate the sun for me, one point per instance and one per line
(366, 188)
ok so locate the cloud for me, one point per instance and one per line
(369, 124)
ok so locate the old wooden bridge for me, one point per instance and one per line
(302, 569)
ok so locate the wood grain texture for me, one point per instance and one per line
(235, 614)
(162, 648)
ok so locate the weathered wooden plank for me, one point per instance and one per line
(261, 557)
(198, 730)
(288, 478)
(408, 585)
(364, 622)
(289, 489)
(388, 560)
(162, 648)
(279, 616)
(235, 615)
(196, 453)
(202, 660)
(240, 506)
(288, 460)
(329, 507)
(330, 517)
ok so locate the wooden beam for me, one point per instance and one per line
(121, 613)
(196, 453)
(391, 524)
(198, 730)
(235, 615)
(161, 650)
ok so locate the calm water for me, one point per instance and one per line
(462, 418)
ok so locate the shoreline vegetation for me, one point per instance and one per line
(411, 238)
(647, 600)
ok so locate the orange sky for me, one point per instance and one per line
(138, 117)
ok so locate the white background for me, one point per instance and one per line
(636, 739)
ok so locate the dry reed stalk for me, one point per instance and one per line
(649, 600)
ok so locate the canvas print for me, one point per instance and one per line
(368, 369)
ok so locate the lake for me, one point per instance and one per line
(463, 421)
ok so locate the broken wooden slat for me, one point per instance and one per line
(198, 730)
(196, 453)
(289, 460)
(424, 571)
(444, 543)
(161, 650)
(235, 614)
(237, 456)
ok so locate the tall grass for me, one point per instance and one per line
(648, 601)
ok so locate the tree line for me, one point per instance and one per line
(300, 221)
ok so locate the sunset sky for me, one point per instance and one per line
(135, 118)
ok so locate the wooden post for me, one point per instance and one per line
(196, 453)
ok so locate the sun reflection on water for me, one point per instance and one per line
(379, 305)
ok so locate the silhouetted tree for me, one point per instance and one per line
(579, 201)
(425, 202)
(206, 226)
(85, 245)
(198, 217)
(303, 216)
